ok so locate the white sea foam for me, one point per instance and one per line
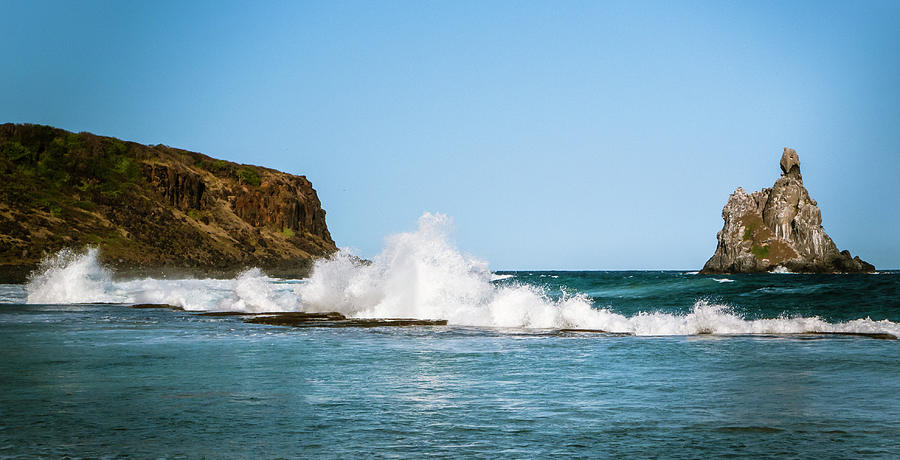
(418, 275)
(251, 291)
(421, 275)
(781, 270)
(71, 277)
(496, 277)
(723, 280)
(77, 277)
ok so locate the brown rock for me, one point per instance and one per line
(334, 319)
(151, 209)
(776, 227)
(790, 160)
(144, 306)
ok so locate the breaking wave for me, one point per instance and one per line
(421, 275)
(781, 270)
(71, 277)
(418, 274)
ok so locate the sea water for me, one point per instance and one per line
(710, 366)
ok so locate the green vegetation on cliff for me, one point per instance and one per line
(778, 228)
(150, 206)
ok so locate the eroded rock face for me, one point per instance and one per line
(150, 208)
(789, 160)
(776, 227)
(181, 188)
(283, 202)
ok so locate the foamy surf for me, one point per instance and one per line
(418, 275)
(781, 271)
(71, 277)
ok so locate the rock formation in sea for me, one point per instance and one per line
(778, 228)
(150, 207)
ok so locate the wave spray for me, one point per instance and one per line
(418, 274)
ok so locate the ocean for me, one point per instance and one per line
(531, 363)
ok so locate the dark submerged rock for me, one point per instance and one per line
(157, 305)
(595, 331)
(871, 335)
(334, 319)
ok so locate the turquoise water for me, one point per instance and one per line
(832, 297)
(102, 380)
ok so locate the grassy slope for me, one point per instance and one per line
(60, 189)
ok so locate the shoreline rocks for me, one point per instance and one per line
(334, 319)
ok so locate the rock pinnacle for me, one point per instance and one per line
(789, 161)
(778, 228)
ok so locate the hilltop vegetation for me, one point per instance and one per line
(150, 207)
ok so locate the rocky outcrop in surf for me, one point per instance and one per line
(778, 228)
(150, 208)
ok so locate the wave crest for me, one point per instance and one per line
(78, 277)
(418, 275)
(70, 277)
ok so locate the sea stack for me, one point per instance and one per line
(778, 228)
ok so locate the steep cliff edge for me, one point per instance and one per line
(150, 207)
(777, 227)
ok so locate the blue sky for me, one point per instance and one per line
(558, 135)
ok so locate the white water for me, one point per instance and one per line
(77, 277)
(418, 275)
(70, 277)
(781, 270)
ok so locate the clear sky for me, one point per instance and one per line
(557, 134)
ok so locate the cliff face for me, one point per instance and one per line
(778, 227)
(150, 207)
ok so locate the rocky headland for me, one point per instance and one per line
(778, 228)
(150, 209)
